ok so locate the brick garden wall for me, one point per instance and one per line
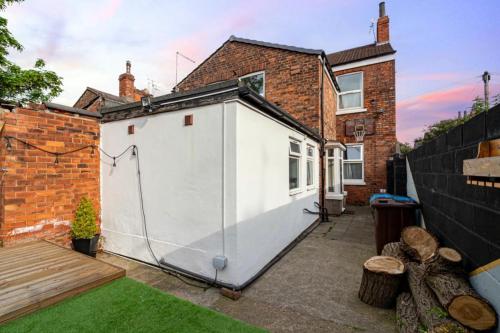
(38, 197)
(465, 217)
(379, 93)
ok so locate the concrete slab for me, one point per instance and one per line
(311, 289)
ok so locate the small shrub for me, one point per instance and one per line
(84, 226)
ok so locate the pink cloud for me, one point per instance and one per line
(414, 114)
(108, 10)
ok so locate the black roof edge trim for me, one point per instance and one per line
(73, 110)
(254, 98)
(233, 38)
(211, 88)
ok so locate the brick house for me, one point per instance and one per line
(359, 95)
(298, 80)
(366, 76)
(94, 100)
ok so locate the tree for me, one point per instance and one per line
(23, 85)
(443, 126)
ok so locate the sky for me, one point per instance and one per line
(443, 46)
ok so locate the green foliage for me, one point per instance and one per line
(441, 127)
(438, 312)
(22, 85)
(405, 148)
(84, 227)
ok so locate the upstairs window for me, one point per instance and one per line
(256, 82)
(351, 91)
(294, 166)
(353, 163)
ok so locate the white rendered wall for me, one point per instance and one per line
(228, 171)
(268, 217)
(181, 169)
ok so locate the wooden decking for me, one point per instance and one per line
(37, 274)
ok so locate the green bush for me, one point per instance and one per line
(84, 227)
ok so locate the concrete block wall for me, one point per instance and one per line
(38, 197)
(465, 217)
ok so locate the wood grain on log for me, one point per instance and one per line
(455, 294)
(446, 260)
(430, 312)
(406, 314)
(394, 250)
(381, 279)
(418, 243)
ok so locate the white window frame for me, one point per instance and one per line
(361, 90)
(310, 159)
(263, 78)
(297, 156)
(362, 160)
(338, 151)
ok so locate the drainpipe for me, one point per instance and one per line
(322, 133)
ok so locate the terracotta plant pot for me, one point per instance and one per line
(86, 246)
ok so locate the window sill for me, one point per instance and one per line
(296, 191)
(349, 111)
(334, 196)
(310, 188)
(354, 182)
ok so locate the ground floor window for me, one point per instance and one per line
(294, 165)
(334, 156)
(310, 166)
(353, 163)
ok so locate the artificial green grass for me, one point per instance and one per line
(126, 305)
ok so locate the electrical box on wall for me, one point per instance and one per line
(219, 262)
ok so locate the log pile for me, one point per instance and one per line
(438, 297)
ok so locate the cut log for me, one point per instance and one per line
(381, 279)
(418, 243)
(455, 294)
(446, 260)
(406, 314)
(394, 250)
(430, 312)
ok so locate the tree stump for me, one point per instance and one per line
(446, 260)
(418, 244)
(394, 250)
(455, 294)
(406, 314)
(429, 310)
(382, 277)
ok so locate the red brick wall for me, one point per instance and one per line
(292, 79)
(38, 197)
(379, 93)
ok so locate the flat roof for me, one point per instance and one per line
(207, 95)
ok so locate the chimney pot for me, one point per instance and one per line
(382, 25)
(381, 9)
(126, 83)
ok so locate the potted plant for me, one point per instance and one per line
(84, 229)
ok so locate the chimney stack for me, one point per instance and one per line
(382, 25)
(127, 88)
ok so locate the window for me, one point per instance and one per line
(255, 81)
(330, 166)
(351, 91)
(310, 166)
(353, 163)
(294, 165)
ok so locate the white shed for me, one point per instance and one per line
(223, 174)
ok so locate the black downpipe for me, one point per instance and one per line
(322, 144)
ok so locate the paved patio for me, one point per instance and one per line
(312, 289)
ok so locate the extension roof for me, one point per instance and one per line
(81, 112)
(360, 53)
(207, 95)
